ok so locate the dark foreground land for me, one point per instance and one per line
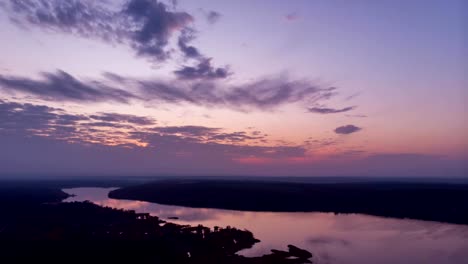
(424, 201)
(36, 228)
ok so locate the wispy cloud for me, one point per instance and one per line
(325, 110)
(65, 87)
(264, 94)
(192, 131)
(130, 119)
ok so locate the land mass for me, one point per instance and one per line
(424, 201)
(35, 226)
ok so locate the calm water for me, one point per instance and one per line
(352, 238)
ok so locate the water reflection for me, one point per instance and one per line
(351, 238)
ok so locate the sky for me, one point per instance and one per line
(258, 88)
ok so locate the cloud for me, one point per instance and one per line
(76, 145)
(193, 131)
(38, 120)
(348, 129)
(202, 70)
(319, 143)
(144, 25)
(63, 86)
(83, 142)
(264, 94)
(324, 110)
(17, 116)
(207, 134)
(256, 133)
(292, 16)
(153, 25)
(131, 119)
(105, 128)
(212, 17)
(235, 137)
(185, 37)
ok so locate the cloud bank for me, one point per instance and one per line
(120, 144)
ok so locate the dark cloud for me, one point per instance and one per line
(131, 119)
(28, 119)
(144, 25)
(263, 94)
(348, 129)
(63, 86)
(17, 116)
(185, 37)
(203, 70)
(324, 110)
(151, 24)
(56, 123)
(77, 17)
(212, 17)
(273, 92)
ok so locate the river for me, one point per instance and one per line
(332, 238)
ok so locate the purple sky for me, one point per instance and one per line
(290, 88)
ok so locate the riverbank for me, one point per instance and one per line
(39, 228)
(431, 201)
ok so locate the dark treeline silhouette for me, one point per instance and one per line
(430, 201)
(35, 227)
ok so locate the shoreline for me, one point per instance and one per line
(429, 202)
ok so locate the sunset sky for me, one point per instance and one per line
(210, 87)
